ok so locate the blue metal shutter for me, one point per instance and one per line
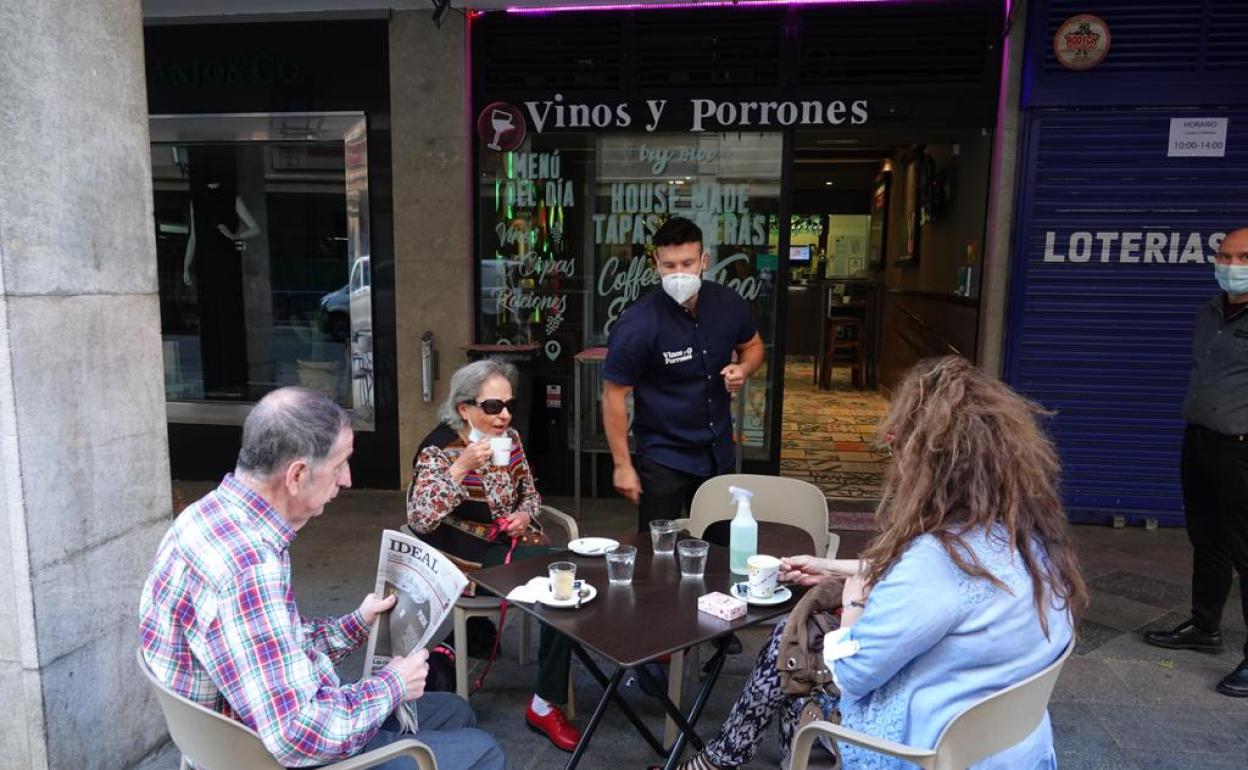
(1107, 344)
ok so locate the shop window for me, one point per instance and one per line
(263, 261)
(564, 227)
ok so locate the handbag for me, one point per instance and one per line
(803, 672)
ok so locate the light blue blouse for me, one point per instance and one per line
(933, 640)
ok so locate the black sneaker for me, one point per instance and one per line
(1186, 637)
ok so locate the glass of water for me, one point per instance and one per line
(663, 535)
(621, 560)
(692, 554)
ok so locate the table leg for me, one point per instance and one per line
(686, 729)
(611, 689)
(612, 693)
(699, 703)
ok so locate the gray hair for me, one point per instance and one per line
(466, 383)
(286, 425)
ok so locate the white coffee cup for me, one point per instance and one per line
(500, 446)
(763, 573)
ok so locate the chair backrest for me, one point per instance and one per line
(999, 721)
(776, 499)
(213, 741)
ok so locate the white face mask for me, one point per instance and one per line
(681, 286)
(474, 435)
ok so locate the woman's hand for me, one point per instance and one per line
(474, 456)
(517, 523)
(804, 570)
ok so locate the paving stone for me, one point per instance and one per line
(1088, 679)
(1081, 741)
(1178, 684)
(1156, 760)
(1142, 588)
(1092, 635)
(1167, 731)
(1120, 612)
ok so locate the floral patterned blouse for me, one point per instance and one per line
(457, 518)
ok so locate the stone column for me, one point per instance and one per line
(84, 469)
(1002, 198)
(433, 275)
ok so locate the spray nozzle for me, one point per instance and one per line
(740, 495)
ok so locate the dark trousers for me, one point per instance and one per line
(554, 650)
(1215, 499)
(666, 493)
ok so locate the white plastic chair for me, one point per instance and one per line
(984, 728)
(488, 606)
(776, 499)
(215, 742)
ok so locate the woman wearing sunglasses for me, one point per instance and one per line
(481, 514)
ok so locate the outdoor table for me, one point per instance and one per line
(654, 616)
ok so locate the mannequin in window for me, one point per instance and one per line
(248, 230)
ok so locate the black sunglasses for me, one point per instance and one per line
(494, 405)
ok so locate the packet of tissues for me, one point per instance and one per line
(721, 605)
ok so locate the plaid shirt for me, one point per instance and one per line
(218, 624)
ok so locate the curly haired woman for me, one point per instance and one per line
(971, 586)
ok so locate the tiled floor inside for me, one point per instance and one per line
(829, 439)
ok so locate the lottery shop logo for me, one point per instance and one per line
(1081, 42)
(501, 126)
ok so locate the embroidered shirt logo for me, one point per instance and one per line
(677, 356)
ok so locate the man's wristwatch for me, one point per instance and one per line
(858, 604)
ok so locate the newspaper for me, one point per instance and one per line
(427, 584)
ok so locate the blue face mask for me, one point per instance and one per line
(1232, 278)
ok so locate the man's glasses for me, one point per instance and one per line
(494, 405)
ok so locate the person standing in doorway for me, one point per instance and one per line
(1214, 464)
(673, 351)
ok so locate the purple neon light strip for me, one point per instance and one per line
(691, 4)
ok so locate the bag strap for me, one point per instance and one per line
(502, 618)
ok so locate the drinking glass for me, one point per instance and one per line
(692, 555)
(562, 580)
(663, 535)
(621, 560)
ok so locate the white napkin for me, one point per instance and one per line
(529, 592)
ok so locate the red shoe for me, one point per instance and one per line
(555, 726)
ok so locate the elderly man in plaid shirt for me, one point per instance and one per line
(219, 622)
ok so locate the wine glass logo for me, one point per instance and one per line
(501, 126)
(501, 121)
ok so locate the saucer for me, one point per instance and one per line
(550, 601)
(591, 546)
(742, 591)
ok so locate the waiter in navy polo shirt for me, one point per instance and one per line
(673, 351)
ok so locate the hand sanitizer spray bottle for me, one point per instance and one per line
(743, 532)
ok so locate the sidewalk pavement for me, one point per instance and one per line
(1119, 703)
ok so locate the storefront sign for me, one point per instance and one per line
(1197, 138)
(1132, 247)
(1081, 42)
(501, 126)
(499, 122)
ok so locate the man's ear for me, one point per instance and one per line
(297, 474)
